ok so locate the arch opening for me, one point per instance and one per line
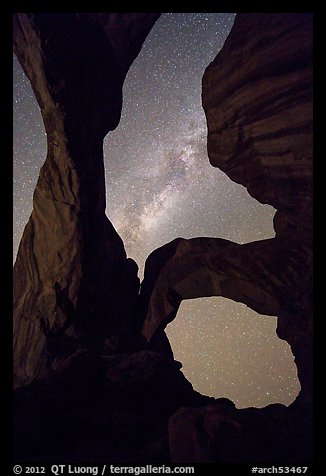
(244, 360)
(160, 184)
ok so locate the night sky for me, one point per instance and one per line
(160, 186)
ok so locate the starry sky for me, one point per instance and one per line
(160, 186)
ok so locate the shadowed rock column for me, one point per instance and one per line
(73, 284)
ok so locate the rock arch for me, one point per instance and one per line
(203, 267)
(257, 96)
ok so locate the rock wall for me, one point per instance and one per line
(257, 96)
(73, 284)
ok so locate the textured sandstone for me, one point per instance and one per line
(73, 284)
(257, 96)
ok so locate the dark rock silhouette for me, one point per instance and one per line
(91, 386)
(73, 284)
(102, 409)
(218, 433)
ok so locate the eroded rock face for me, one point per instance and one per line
(257, 96)
(73, 285)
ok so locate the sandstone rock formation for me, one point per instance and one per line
(257, 96)
(73, 284)
(273, 277)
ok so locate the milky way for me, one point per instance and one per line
(160, 186)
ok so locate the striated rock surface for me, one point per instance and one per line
(257, 96)
(73, 284)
